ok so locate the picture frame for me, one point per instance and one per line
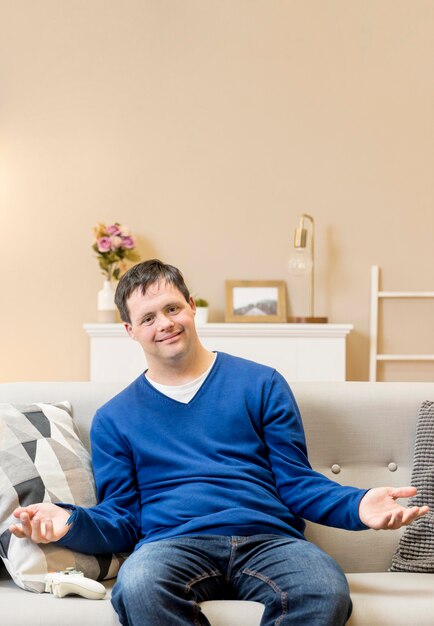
(255, 301)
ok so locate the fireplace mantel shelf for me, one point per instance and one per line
(301, 352)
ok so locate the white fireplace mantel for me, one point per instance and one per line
(301, 352)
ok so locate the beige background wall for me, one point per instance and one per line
(208, 126)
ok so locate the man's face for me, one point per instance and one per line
(162, 321)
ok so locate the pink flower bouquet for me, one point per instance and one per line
(113, 245)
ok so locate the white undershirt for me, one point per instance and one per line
(182, 393)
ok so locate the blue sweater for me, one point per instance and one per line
(232, 461)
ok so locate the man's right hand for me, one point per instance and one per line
(42, 523)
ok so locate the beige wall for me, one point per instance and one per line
(208, 126)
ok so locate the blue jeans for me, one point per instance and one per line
(162, 583)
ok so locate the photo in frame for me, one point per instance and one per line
(255, 301)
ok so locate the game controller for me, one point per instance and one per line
(72, 582)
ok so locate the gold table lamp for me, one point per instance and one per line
(302, 262)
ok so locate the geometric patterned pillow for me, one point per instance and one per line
(43, 460)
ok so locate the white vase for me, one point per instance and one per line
(106, 303)
(201, 317)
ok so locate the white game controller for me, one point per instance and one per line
(72, 582)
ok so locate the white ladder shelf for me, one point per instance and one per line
(376, 294)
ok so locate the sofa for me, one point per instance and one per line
(358, 433)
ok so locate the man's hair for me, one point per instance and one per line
(142, 276)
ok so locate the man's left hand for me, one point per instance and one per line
(378, 508)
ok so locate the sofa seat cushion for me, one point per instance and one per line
(383, 599)
(391, 599)
(232, 612)
(21, 608)
(380, 599)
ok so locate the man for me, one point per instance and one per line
(201, 470)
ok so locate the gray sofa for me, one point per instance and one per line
(358, 433)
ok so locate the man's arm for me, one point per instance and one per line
(313, 496)
(113, 525)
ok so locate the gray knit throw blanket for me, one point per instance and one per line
(415, 551)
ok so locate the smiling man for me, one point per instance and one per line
(161, 318)
(201, 470)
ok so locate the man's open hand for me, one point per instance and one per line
(42, 523)
(378, 508)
